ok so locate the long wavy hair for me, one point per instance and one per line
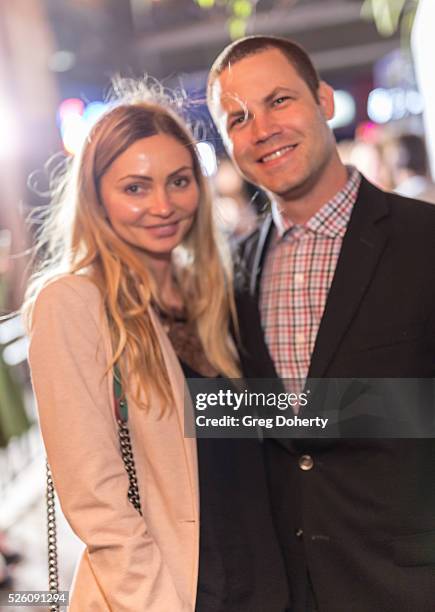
(75, 237)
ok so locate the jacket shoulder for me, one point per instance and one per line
(71, 284)
(67, 295)
(414, 220)
(418, 209)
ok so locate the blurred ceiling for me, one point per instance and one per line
(167, 37)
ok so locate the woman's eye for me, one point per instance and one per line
(133, 189)
(181, 181)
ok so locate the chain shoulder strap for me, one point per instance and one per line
(121, 410)
(53, 572)
(121, 414)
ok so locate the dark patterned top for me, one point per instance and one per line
(185, 341)
(225, 579)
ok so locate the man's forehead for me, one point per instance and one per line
(245, 80)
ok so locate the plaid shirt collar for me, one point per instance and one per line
(332, 219)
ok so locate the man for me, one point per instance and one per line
(341, 284)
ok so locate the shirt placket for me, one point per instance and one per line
(300, 306)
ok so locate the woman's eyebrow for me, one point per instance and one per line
(135, 177)
(181, 169)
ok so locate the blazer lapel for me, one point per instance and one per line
(254, 352)
(264, 239)
(363, 244)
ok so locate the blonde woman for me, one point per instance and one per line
(132, 277)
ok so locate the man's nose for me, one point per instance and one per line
(263, 127)
(161, 204)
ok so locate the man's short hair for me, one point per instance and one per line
(251, 45)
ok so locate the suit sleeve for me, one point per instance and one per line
(75, 405)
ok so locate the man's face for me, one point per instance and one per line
(273, 127)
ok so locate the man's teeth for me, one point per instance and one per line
(277, 154)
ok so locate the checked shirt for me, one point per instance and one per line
(297, 276)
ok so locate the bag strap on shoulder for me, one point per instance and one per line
(121, 413)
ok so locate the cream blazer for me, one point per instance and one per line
(130, 563)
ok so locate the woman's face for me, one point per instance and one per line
(150, 194)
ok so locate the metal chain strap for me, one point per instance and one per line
(130, 468)
(53, 574)
(133, 495)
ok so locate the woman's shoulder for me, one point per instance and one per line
(79, 284)
(68, 293)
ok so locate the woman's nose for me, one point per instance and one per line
(160, 204)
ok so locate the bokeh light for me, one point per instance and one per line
(9, 141)
(207, 156)
(75, 119)
(345, 109)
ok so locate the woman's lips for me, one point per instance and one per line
(163, 231)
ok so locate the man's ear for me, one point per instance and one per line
(325, 94)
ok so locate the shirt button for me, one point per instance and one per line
(306, 462)
(299, 278)
(299, 338)
(299, 533)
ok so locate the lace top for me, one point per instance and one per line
(185, 340)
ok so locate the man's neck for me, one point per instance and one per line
(330, 181)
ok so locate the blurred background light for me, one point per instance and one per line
(62, 61)
(93, 111)
(396, 103)
(399, 107)
(70, 107)
(9, 133)
(414, 102)
(207, 156)
(345, 109)
(380, 105)
(73, 131)
(205, 3)
(242, 8)
(237, 28)
(75, 119)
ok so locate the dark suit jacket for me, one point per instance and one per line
(362, 520)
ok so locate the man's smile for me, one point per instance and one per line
(276, 154)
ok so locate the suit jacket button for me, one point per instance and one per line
(306, 462)
(299, 533)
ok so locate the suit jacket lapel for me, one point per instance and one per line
(264, 239)
(256, 356)
(363, 244)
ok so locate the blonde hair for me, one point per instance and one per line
(76, 238)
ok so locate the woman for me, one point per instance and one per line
(132, 271)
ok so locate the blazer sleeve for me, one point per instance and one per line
(75, 405)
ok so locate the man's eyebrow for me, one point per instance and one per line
(240, 111)
(280, 89)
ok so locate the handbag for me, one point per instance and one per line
(121, 414)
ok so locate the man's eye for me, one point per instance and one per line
(238, 121)
(280, 100)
